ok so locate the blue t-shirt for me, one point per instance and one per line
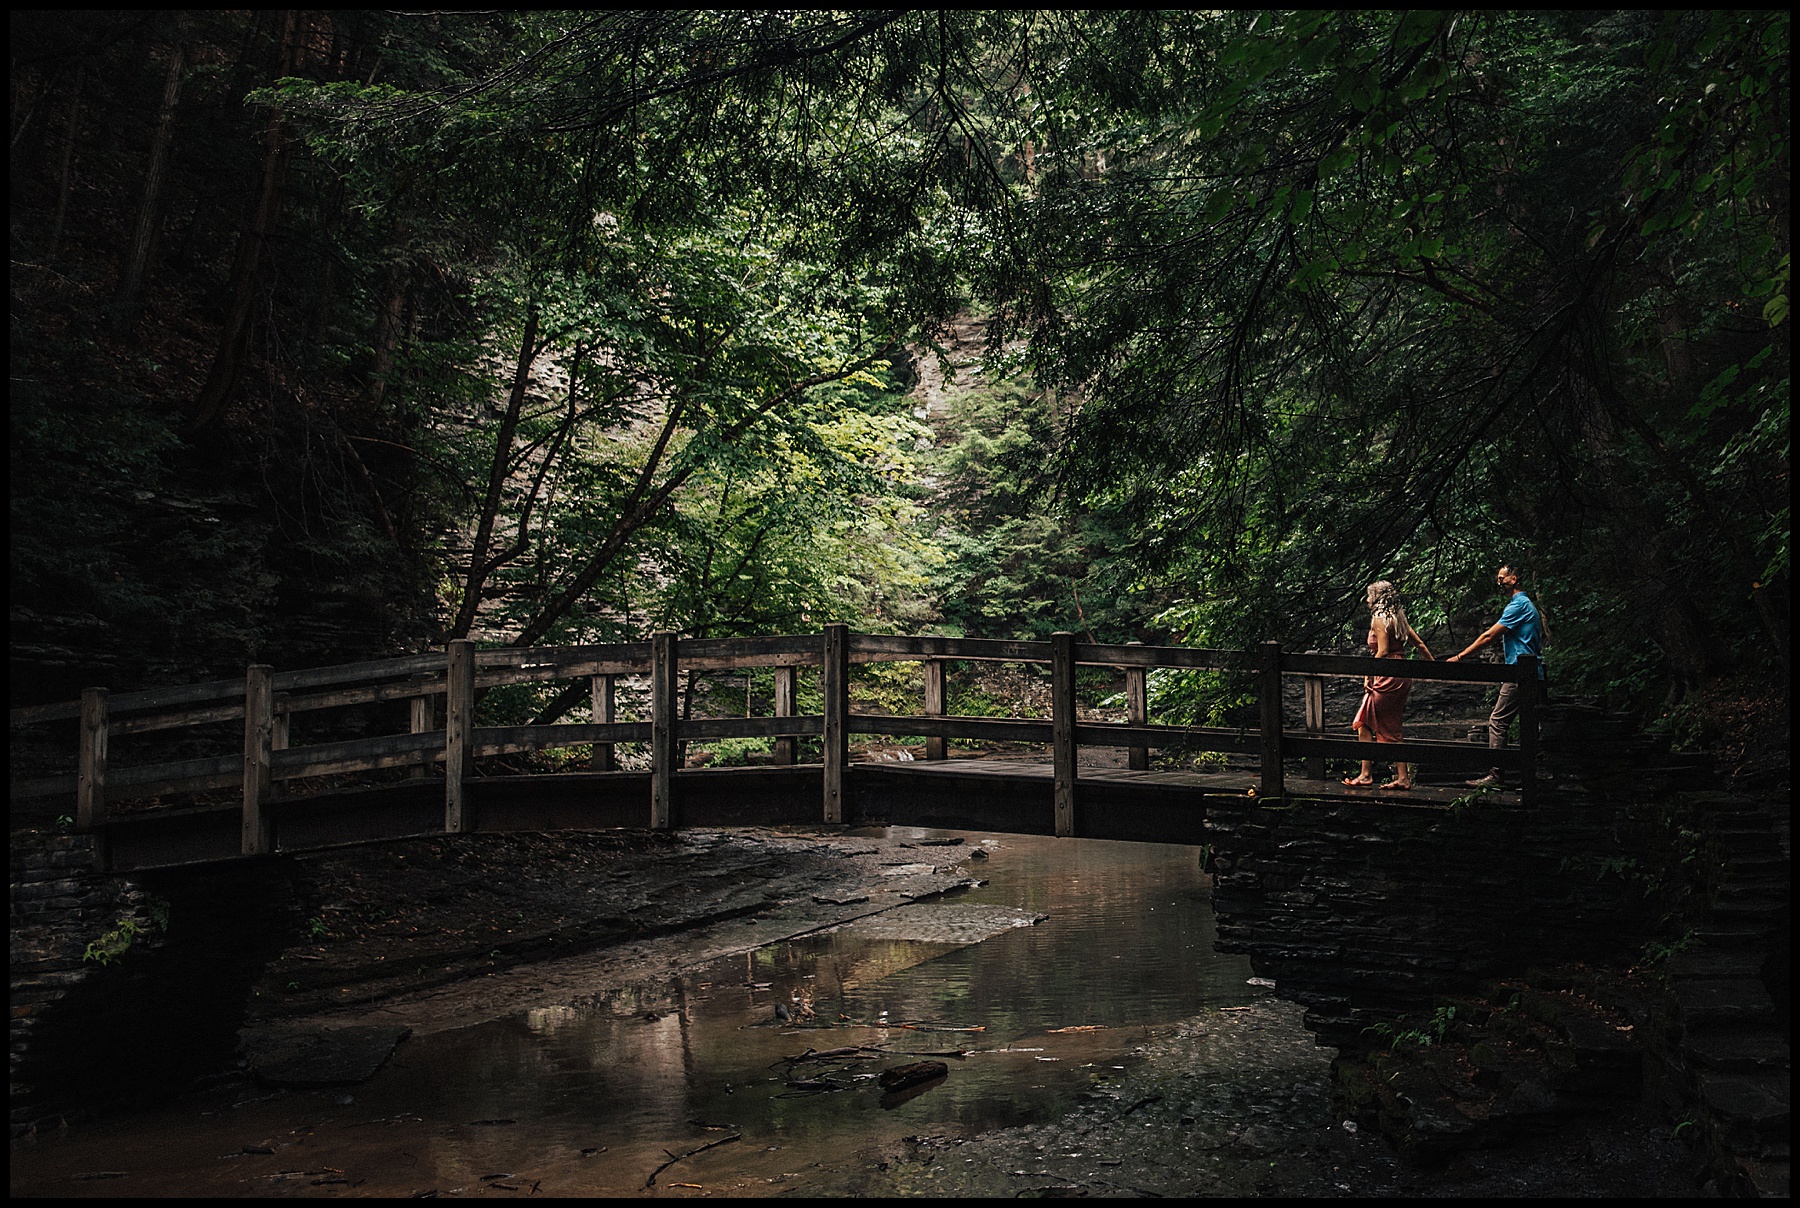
(1521, 630)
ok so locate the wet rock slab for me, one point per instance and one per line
(328, 1057)
(942, 923)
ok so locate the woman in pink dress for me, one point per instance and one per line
(1384, 696)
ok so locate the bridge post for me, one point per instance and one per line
(90, 777)
(1062, 728)
(259, 741)
(935, 705)
(835, 680)
(663, 695)
(419, 719)
(278, 732)
(784, 707)
(1315, 720)
(1137, 712)
(1269, 698)
(1528, 728)
(600, 688)
(459, 732)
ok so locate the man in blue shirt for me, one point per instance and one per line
(1521, 631)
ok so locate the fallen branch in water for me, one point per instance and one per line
(936, 1027)
(674, 1158)
(852, 1050)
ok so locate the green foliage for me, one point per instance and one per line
(1274, 304)
(1019, 565)
(1428, 1033)
(115, 942)
(892, 688)
(737, 752)
(1658, 952)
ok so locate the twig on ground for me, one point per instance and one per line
(651, 1181)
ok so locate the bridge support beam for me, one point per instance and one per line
(459, 733)
(420, 721)
(835, 680)
(600, 688)
(1269, 698)
(1137, 712)
(259, 741)
(90, 770)
(785, 698)
(663, 749)
(1314, 688)
(1062, 728)
(935, 705)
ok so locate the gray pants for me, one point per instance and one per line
(1506, 707)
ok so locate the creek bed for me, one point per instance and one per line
(1106, 1048)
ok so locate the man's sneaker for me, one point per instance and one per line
(1491, 781)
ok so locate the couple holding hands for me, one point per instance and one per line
(1520, 631)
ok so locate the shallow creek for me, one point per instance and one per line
(1051, 979)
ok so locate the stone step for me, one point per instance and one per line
(1750, 1111)
(1760, 865)
(1705, 1003)
(1708, 962)
(1719, 933)
(1748, 893)
(1747, 1051)
(1757, 912)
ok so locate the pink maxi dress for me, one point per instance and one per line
(1384, 701)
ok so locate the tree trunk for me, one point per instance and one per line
(62, 193)
(234, 338)
(388, 323)
(125, 303)
(497, 475)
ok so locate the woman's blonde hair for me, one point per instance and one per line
(1384, 603)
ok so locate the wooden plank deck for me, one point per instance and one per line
(1217, 783)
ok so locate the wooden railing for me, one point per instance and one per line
(266, 700)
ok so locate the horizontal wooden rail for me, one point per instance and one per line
(1191, 658)
(1415, 669)
(134, 702)
(984, 729)
(886, 648)
(531, 664)
(358, 673)
(510, 740)
(43, 786)
(149, 723)
(181, 776)
(265, 701)
(356, 755)
(704, 729)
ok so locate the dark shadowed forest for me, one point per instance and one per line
(343, 334)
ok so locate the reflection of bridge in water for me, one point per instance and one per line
(1057, 797)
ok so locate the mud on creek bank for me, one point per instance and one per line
(434, 934)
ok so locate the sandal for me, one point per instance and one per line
(1359, 782)
(1398, 786)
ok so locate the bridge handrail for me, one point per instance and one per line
(265, 699)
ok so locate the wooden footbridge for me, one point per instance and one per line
(267, 815)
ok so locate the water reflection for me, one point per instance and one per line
(597, 1093)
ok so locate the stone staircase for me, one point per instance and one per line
(1723, 1029)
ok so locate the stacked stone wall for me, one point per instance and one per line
(58, 908)
(167, 1002)
(1362, 910)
